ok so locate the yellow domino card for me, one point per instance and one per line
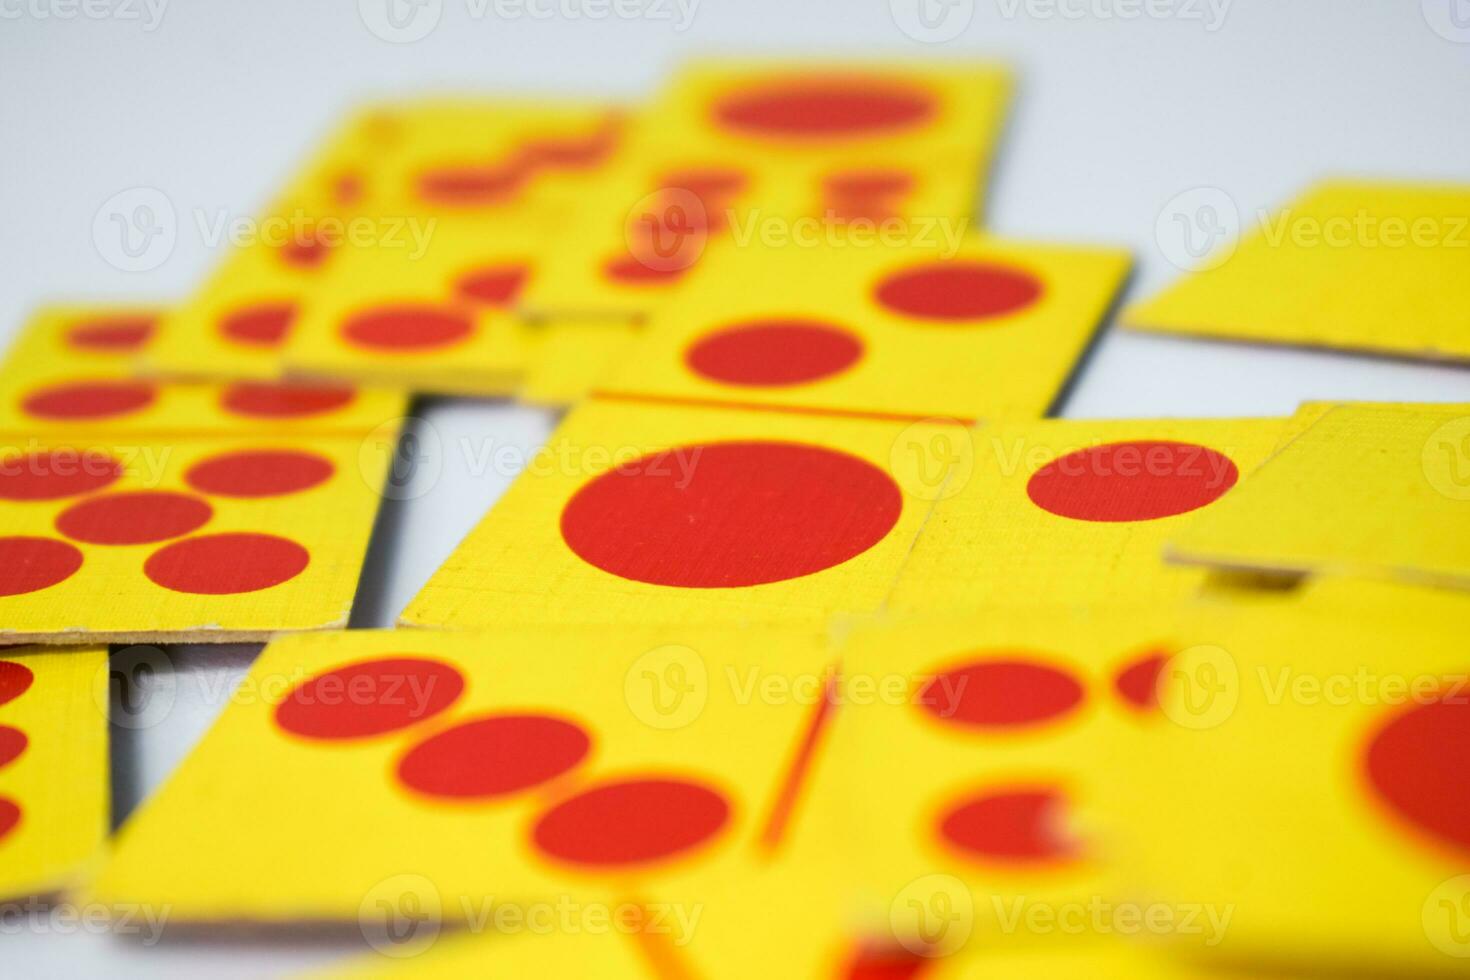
(635, 513)
(1372, 491)
(1379, 266)
(1061, 512)
(72, 370)
(183, 540)
(571, 358)
(935, 326)
(54, 788)
(522, 767)
(1333, 818)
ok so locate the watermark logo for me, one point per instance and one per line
(932, 21)
(402, 458)
(1200, 687)
(933, 915)
(1198, 229)
(400, 21)
(1210, 14)
(1446, 917)
(667, 687)
(401, 916)
(1450, 19)
(135, 230)
(139, 689)
(1446, 459)
(933, 459)
(148, 12)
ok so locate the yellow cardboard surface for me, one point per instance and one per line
(570, 359)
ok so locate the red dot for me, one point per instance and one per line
(408, 328)
(868, 183)
(958, 291)
(13, 742)
(493, 756)
(1132, 481)
(15, 680)
(137, 517)
(1000, 693)
(9, 816)
(259, 473)
(631, 822)
(731, 514)
(708, 184)
(773, 353)
(494, 285)
(307, 252)
(1416, 763)
(31, 564)
(468, 186)
(574, 152)
(56, 473)
(265, 400)
(630, 270)
(835, 106)
(872, 962)
(1138, 683)
(371, 697)
(226, 564)
(347, 188)
(1016, 825)
(112, 334)
(89, 399)
(265, 325)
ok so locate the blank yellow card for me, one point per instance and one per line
(1375, 491)
(1376, 266)
(54, 787)
(569, 359)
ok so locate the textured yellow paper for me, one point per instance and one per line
(982, 328)
(990, 543)
(72, 574)
(570, 358)
(1361, 265)
(58, 783)
(1373, 491)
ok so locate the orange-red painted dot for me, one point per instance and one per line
(708, 183)
(1416, 764)
(492, 285)
(1138, 682)
(832, 107)
(1132, 481)
(305, 253)
(868, 183)
(731, 514)
(29, 564)
(631, 271)
(89, 399)
(1005, 691)
(226, 564)
(266, 400)
(957, 291)
(347, 188)
(493, 756)
(631, 822)
(874, 962)
(262, 325)
(9, 816)
(408, 328)
(259, 473)
(13, 742)
(572, 152)
(135, 517)
(15, 680)
(469, 186)
(774, 353)
(56, 473)
(370, 697)
(112, 334)
(1021, 824)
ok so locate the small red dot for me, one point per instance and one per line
(1416, 764)
(1004, 692)
(774, 353)
(958, 291)
(264, 325)
(305, 253)
(137, 517)
(15, 680)
(226, 564)
(259, 473)
(9, 816)
(493, 285)
(112, 334)
(1138, 683)
(1132, 481)
(493, 756)
(264, 400)
(630, 270)
(868, 183)
(56, 473)
(572, 153)
(31, 564)
(731, 514)
(832, 106)
(347, 188)
(408, 328)
(13, 742)
(89, 399)
(631, 822)
(371, 697)
(1023, 825)
(708, 184)
(468, 186)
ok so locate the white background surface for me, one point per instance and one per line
(215, 102)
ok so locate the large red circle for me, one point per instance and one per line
(493, 756)
(112, 334)
(30, 564)
(631, 822)
(56, 473)
(1132, 481)
(263, 325)
(266, 400)
(13, 742)
(774, 353)
(371, 697)
(89, 399)
(259, 473)
(956, 291)
(492, 285)
(226, 564)
(135, 517)
(825, 107)
(408, 328)
(9, 816)
(1021, 824)
(731, 514)
(1005, 691)
(15, 680)
(1416, 764)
